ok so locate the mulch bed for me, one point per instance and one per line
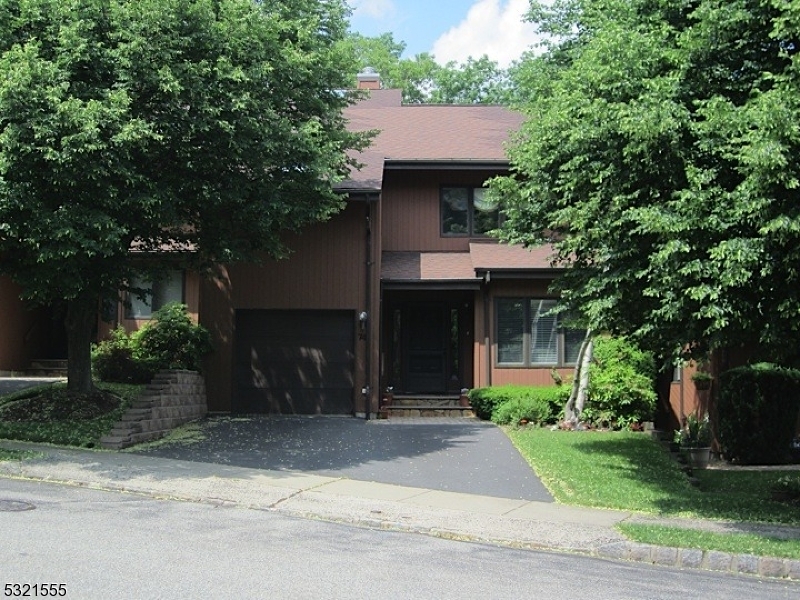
(58, 405)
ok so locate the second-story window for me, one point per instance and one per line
(467, 211)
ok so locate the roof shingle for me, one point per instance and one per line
(426, 132)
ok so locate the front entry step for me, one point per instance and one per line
(425, 405)
(47, 367)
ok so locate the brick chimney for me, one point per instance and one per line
(369, 79)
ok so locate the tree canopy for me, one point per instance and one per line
(423, 80)
(201, 126)
(659, 157)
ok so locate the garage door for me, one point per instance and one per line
(294, 362)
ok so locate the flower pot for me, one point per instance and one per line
(698, 458)
(702, 384)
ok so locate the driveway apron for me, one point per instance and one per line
(456, 455)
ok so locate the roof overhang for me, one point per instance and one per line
(451, 285)
(391, 164)
(548, 273)
(360, 194)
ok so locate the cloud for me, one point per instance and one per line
(491, 27)
(377, 9)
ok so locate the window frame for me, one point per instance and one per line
(527, 362)
(132, 301)
(470, 232)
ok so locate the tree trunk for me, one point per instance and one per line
(80, 323)
(580, 382)
(586, 362)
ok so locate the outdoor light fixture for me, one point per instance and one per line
(362, 324)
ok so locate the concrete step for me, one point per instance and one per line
(426, 406)
(47, 367)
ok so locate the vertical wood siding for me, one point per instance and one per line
(411, 220)
(326, 270)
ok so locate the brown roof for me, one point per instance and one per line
(426, 266)
(463, 266)
(426, 132)
(497, 257)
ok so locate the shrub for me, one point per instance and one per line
(622, 384)
(514, 410)
(757, 409)
(485, 401)
(113, 360)
(172, 340)
(169, 341)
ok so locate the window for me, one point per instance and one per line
(467, 211)
(528, 335)
(163, 290)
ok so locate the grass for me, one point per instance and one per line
(630, 471)
(736, 543)
(48, 414)
(6, 454)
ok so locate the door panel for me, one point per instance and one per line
(425, 331)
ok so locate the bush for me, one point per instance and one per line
(113, 360)
(622, 384)
(486, 401)
(172, 340)
(532, 409)
(169, 341)
(757, 409)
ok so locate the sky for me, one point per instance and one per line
(449, 29)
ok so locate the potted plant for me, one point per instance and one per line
(702, 380)
(694, 440)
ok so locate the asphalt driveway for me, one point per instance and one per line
(457, 455)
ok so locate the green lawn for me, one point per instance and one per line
(6, 454)
(631, 471)
(75, 430)
(736, 543)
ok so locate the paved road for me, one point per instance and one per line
(108, 545)
(458, 455)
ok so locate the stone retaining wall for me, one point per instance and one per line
(171, 399)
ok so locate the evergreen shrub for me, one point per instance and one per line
(756, 413)
(543, 403)
(170, 341)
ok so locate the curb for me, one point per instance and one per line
(707, 560)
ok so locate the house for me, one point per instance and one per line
(402, 289)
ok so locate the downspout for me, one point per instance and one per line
(487, 348)
(368, 305)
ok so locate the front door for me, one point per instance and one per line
(426, 332)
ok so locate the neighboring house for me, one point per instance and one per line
(27, 335)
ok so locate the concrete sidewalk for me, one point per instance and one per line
(487, 519)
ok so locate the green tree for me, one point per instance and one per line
(415, 76)
(477, 81)
(660, 160)
(422, 79)
(206, 126)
